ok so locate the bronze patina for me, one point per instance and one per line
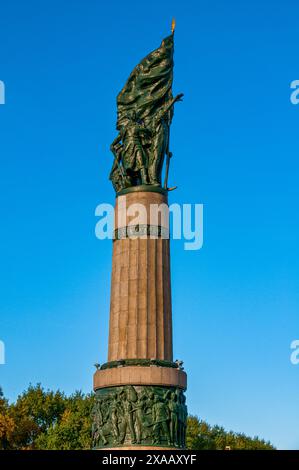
(144, 115)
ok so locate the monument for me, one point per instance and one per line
(139, 392)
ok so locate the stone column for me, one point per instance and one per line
(139, 391)
(140, 311)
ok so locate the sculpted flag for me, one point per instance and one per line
(148, 87)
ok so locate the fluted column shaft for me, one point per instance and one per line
(140, 310)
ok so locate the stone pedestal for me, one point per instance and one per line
(140, 398)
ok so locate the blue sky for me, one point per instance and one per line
(235, 144)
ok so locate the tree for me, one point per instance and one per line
(202, 436)
(43, 419)
(73, 430)
(7, 424)
(33, 414)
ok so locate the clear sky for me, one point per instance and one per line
(236, 147)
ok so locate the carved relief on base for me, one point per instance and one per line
(139, 415)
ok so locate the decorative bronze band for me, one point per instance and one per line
(141, 362)
(141, 230)
(145, 188)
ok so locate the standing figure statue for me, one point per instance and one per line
(160, 140)
(115, 409)
(185, 416)
(131, 154)
(128, 421)
(117, 173)
(160, 414)
(174, 418)
(182, 425)
(139, 411)
(98, 421)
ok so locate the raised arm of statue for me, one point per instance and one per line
(178, 97)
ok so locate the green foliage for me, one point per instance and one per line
(202, 436)
(73, 429)
(7, 424)
(34, 412)
(43, 419)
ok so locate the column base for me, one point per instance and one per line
(139, 408)
(140, 375)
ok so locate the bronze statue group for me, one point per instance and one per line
(140, 148)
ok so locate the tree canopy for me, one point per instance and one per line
(43, 419)
(202, 436)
